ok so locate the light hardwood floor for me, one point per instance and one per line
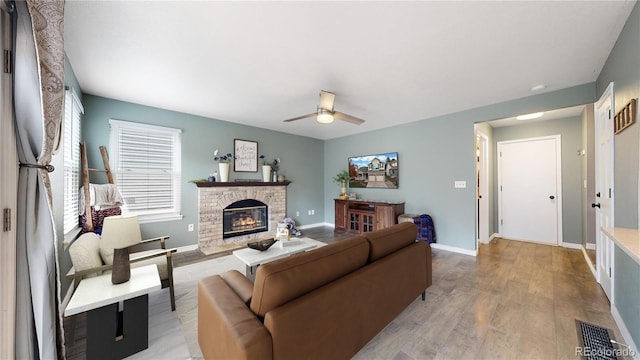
(515, 300)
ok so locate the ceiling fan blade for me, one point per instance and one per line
(326, 100)
(348, 118)
(301, 117)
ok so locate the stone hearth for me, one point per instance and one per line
(214, 197)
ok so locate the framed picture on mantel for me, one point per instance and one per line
(245, 156)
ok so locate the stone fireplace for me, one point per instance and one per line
(251, 210)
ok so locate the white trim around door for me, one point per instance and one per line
(8, 200)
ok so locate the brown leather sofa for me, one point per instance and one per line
(326, 303)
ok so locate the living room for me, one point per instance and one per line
(434, 152)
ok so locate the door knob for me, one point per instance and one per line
(595, 205)
(552, 197)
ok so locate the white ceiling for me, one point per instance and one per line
(258, 63)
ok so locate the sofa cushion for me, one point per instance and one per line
(285, 279)
(384, 242)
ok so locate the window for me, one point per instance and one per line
(145, 160)
(73, 111)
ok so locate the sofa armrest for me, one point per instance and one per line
(227, 328)
(135, 257)
(162, 240)
(240, 284)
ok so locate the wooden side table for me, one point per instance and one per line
(113, 333)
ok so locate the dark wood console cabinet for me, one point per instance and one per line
(360, 216)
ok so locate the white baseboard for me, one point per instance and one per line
(187, 248)
(491, 237)
(591, 246)
(571, 245)
(588, 260)
(454, 249)
(302, 227)
(625, 332)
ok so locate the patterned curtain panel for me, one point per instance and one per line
(38, 98)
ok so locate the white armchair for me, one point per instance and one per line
(92, 254)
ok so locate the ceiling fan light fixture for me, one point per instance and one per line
(530, 116)
(324, 116)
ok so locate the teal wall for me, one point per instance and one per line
(302, 159)
(570, 131)
(432, 154)
(623, 68)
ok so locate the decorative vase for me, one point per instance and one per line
(280, 178)
(224, 171)
(266, 173)
(343, 187)
(121, 268)
(274, 178)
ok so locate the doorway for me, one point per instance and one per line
(482, 188)
(529, 191)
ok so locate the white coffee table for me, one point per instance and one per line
(253, 258)
(112, 333)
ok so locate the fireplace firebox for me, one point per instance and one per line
(244, 217)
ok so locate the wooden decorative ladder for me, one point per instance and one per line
(85, 178)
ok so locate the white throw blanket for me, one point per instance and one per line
(101, 196)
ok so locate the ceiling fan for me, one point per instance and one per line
(325, 113)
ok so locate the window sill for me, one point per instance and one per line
(70, 237)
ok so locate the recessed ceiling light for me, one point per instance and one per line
(530, 116)
(539, 87)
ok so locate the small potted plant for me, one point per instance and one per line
(223, 164)
(269, 168)
(342, 178)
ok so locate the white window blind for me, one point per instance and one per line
(146, 164)
(73, 111)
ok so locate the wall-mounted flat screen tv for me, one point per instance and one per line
(374, 171)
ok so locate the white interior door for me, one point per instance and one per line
(603, 206)
(529, 189)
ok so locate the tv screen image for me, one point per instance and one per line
(374, 171)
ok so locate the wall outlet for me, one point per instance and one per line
(297, 213)
(190, 227)
(313, 212)
(460, 184)
(309, 212)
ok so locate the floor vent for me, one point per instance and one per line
(595, 342)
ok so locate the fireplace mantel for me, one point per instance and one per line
(241, 183)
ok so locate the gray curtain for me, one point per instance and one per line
(38, 97)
